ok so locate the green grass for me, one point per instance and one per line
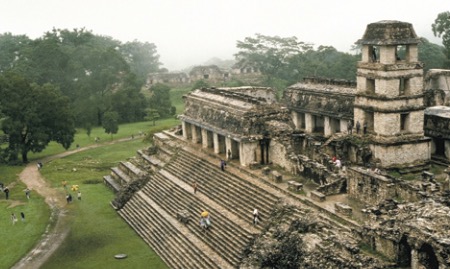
(125, 130)
(97, 233)
(18, 239)
(176, 97)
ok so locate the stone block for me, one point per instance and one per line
(276, 177)
(183, 216)
(254, 165)
(343, 209)
(317, 196)
(294, 186)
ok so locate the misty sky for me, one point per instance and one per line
(190, 32)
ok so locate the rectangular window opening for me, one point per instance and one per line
(404, 122)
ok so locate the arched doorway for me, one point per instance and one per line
(427, 257)
(404, 253)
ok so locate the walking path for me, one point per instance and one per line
(54, 235)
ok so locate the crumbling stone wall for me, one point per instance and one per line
(334, 99)
(390, 154)
(369, 187)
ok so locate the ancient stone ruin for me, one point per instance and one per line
(344, 174)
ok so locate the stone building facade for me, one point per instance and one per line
(236, 122)
(382, 121)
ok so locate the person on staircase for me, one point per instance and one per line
(222, 165)
(255, 216)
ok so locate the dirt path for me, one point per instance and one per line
(57, 229)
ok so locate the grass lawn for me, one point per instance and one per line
(125, 130)
(97, 232)
(18, 239)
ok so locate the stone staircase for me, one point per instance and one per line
(229, 196)
(239, 196)
(153, 211)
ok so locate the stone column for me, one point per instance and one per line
(447, 149)
(414, 259)
(247, 152)
(194, 134)
(309, 123)
(216, 143)
(297, 120)
(343, 124)
(204, 138)
(327, 127)
(184, 128)
(228, 146)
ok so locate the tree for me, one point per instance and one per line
(111, 123)
(160, 100)
(129, 101)
(441, 28)
(200, 84)
(11, 50)
(270, 54)
(152, 115)
(432, 55)
(142, 58)
(34, 116)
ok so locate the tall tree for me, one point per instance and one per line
(441, 28)
(111, 123)
(34, 116)
(160, 99)
(270, 54)
(432, 55)
(142, 58)
(11, 50)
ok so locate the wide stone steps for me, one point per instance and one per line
(230, 190)
(157, 240)
(225, 237)
(119, 175)
(196, 206)
(175, 248)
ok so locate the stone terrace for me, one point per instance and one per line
(229, 196)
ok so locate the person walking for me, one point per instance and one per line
(22, 216)
(358, 126)
(255, 216)
(27, 193)
(79, 195)
(6, 191)
(195, 186)
(13, 218)
(365, 128)
(222, 165)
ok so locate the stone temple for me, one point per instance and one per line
(344, 174)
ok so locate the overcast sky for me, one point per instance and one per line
(190, 32)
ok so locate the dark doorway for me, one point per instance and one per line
(439, 143)
(404, 253)
(427, 257)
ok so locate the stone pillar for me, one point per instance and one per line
(327, 127)
(216, 143)
(204, 138)
(343, 124)
(247, 152)
(447, 149)
(415, 259)
(297, 120)
(184, 128)
(309, 123)
(195, 134)
(228, 146)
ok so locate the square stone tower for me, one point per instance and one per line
(389, 97)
